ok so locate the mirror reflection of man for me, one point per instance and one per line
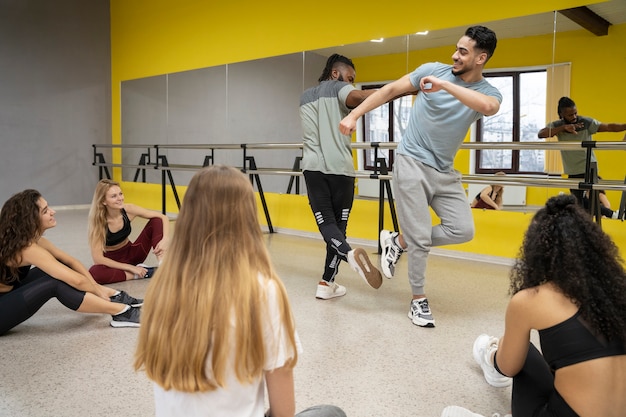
(571, 127)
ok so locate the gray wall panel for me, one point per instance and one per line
(247, 102)
(55, 96)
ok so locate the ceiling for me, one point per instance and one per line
(612, 11)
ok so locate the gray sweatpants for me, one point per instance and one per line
(322, 411)
(417, 187)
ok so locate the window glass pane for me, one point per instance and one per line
(376, 130)
(401, 112)
(499, 127)
(532, 118)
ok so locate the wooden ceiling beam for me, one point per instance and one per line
(589, 20)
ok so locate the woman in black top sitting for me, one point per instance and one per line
(569, 284)
(33, 270)
(490, 197)
(116, 258)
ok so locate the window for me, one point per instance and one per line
(522, 114)
(386, 123)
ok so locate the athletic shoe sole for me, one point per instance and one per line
(361, 263)
(120, 324)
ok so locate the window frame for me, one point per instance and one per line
(391, 131)
(515, 74)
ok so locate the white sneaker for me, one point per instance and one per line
(420, 314)
(484, 346)
(331, 290)
(360, 262)
(390, 252)
(456, 411)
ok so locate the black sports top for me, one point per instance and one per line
(573, 341)
(490, 195)
(118, 237)
(22, 271)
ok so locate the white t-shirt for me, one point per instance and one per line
(236, 399)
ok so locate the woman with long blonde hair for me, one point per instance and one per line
(217, 323)
(116, 258)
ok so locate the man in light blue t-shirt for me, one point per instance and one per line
(449, 99)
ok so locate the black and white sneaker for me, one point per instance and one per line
(420, 313)
(150, 270)
(128, 318)
(124, 298)
(390, 252)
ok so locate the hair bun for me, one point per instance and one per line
(560, 203)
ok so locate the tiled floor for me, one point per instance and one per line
(361, 352)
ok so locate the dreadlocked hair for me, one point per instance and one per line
(332, 61)
(564, 246)
(564, 103)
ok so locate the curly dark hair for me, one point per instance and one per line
(564, 246)
(20, 225)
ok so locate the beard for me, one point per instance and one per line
(459, 72)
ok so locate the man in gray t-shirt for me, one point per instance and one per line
(574, 128)
(449, 99)
(328, 169)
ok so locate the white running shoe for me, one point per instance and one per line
(390, 252)
(456, 411)
(420, 313)
(484, 346)
(330, 290)
(360, 262)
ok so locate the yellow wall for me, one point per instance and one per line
(154, 37)
(151, 37)
(289, 211)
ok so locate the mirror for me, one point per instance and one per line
(257, 101)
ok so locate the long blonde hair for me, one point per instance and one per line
(208, 280)
(98, 213)
(499, 194)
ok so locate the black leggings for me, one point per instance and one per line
(534, 394)
(585, 201)
(30, 294)
(331, 197)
